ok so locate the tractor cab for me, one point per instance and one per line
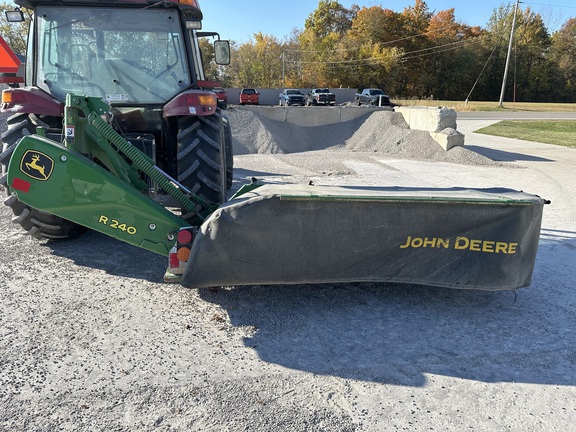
(126, 52)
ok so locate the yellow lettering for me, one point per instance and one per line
(444, 243)
(417, 242)
(501, 247)
(461, 243)
(103, 219)
(407, 244)
(429, 242)
(475, 245)
(512, 248)
(488, 246)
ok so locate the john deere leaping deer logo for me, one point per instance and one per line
(36, 165)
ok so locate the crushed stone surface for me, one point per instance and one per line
(91, 339)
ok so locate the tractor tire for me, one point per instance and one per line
(38, 224)
(201, 156)
(229, 152)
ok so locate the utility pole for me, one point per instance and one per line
(508, 55)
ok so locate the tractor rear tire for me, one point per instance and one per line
(201, 156)
(38, 224)
(229, 152)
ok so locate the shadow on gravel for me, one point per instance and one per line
(504, 156)
(98, 251)
(398, 334)
(243, 175)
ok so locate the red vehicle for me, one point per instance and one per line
(222, 97)
(110, 49)
(249, 96)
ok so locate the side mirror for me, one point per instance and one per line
(222, 52)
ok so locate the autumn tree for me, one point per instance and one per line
(372, 51)
(292, 61)
(450, 62)
(321, 40)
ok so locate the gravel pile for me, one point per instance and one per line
(377, 132)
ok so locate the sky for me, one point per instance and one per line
(239, 20)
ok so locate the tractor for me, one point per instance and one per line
(143, 58)
(115, 130)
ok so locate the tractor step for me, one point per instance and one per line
(295, 234)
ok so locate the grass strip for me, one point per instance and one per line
(490, 106)
(559, 132)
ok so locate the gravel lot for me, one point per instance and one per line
(91, 339)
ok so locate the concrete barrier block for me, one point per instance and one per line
(348, 113)
(431, 119)
(448, 138)
(313, 116)
(275, 113)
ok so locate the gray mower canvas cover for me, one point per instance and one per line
(295, 234)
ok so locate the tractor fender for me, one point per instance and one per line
(192, 103)
(30, 100)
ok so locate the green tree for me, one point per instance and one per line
(531, 62)
(257, 63)
(563, 53)
(212, 71)
(329, 17)
(531, 75)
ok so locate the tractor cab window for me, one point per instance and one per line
(126, 56)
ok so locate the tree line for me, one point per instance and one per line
(415, 53)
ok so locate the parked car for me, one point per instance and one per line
(249, 96)
(291, 97)
(222, 97)
(373, 96)
(320, 96)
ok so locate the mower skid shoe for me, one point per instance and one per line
(294, 234)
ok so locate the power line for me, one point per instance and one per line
(404, 56)
(547, 4)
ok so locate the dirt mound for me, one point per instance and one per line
(376, 132)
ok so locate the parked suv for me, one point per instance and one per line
(249, 96)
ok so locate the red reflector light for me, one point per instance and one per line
(174, 261)
(21, 185)
(12, 97)
(192, 99)
(184, 236)
(184, 240)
